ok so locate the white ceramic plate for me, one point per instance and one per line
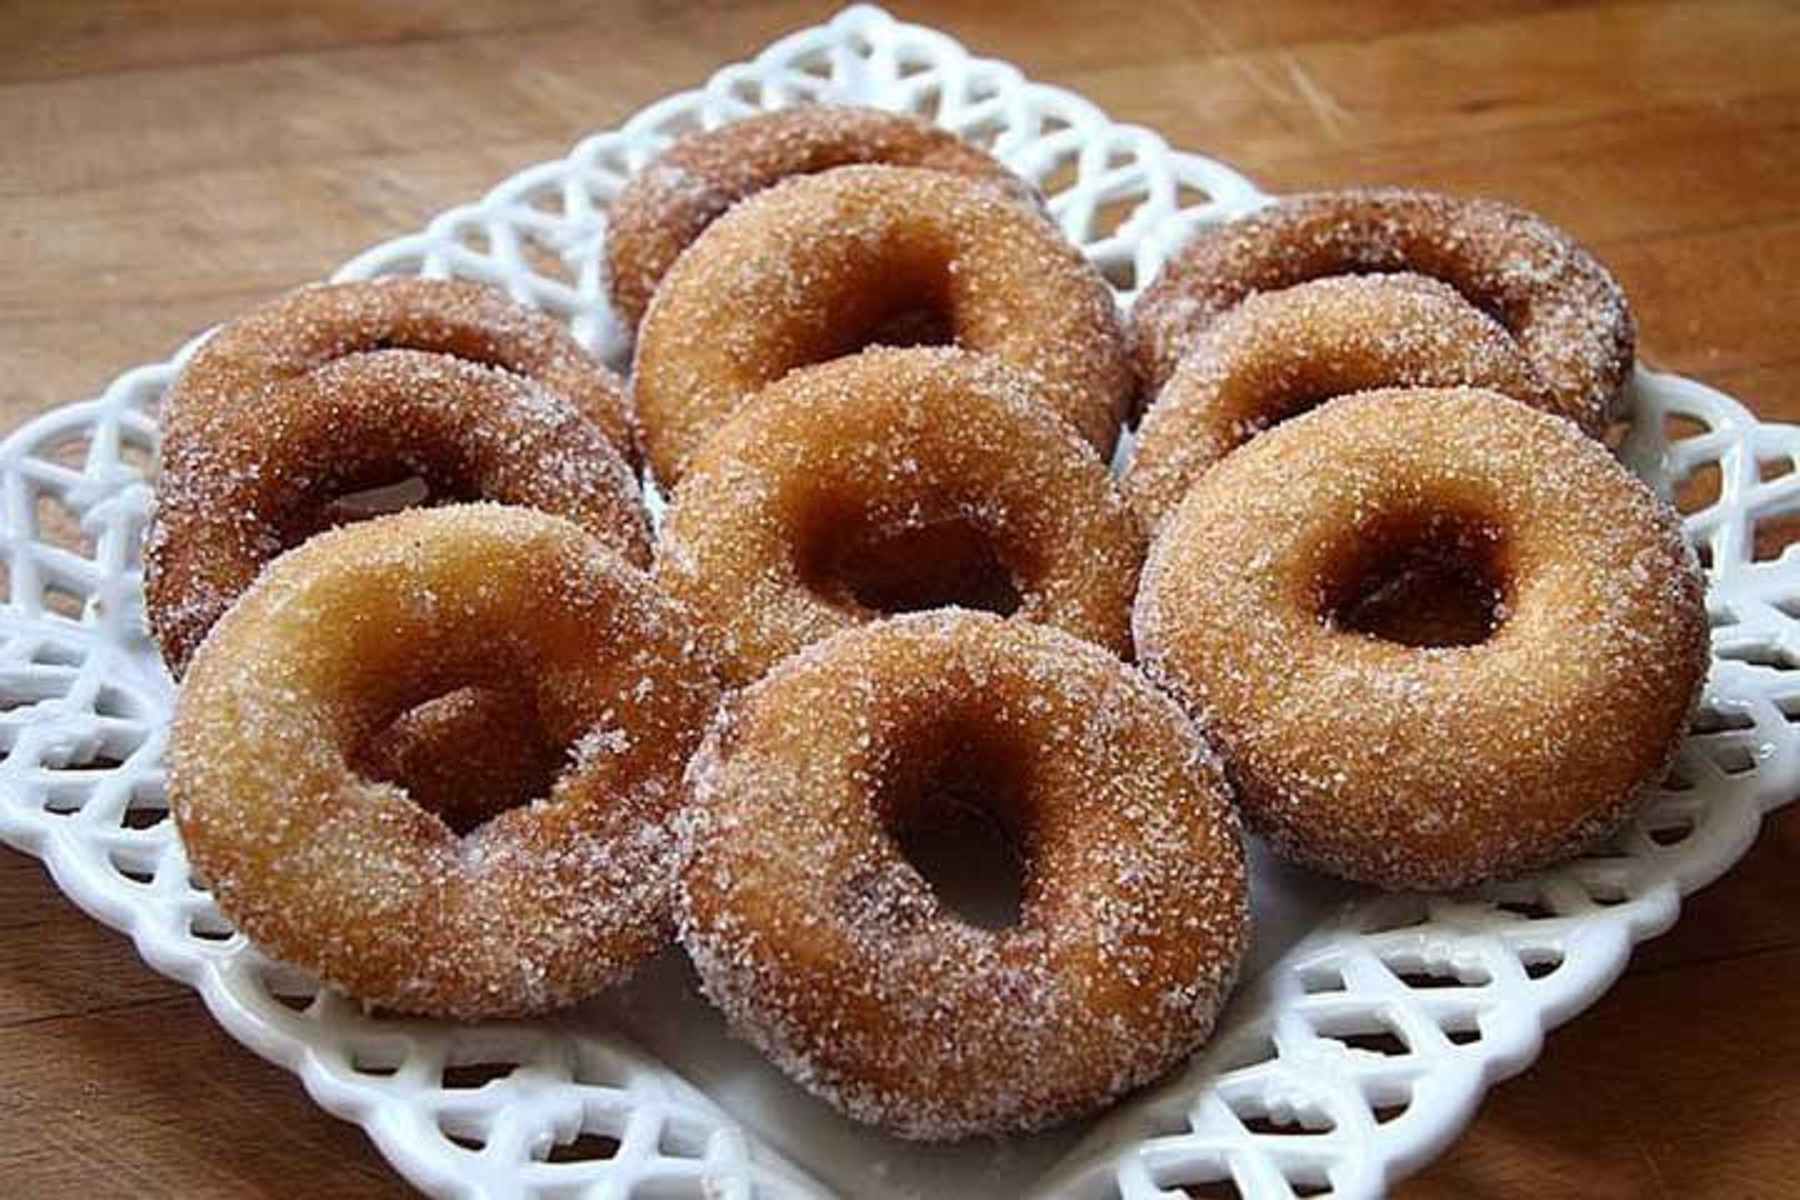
(1369, 1025)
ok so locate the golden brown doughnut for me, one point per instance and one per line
(807, 270)
(539, 906)
(835, 462)
(248, 359)
(665, 206)
(1567, 313)
(1280, 353)
(1428, 767)
(240, 484)
(825, 947)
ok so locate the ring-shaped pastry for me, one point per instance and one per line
(825, 947)
(813, 268)
(890, 480)
(1428, 766)
(540, 905)
(239, 486)
(248, 359)
(665, 206)
(1567, 313)
(1279, 353)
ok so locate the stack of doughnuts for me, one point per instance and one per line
(456, 734)
(1360, 390)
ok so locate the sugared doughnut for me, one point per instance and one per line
(665, 206)
(247, 360)
(812, 268)
(1280, 353)
(539, 906)
(240, 484)
(1428, 767)
(893, 463)
(1564, 309)
(825, 947)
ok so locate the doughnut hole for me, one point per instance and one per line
(467, 755)
(1431, 600)
(459, 736)
(895, 568)
(958, 818)
(959, 801)
(905, 302)
(378, 500)
(970, 864)
(920, 319)
(363, 498)
(1422, 580)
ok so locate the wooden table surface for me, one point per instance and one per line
(164, 165)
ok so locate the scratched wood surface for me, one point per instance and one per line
(165, 164)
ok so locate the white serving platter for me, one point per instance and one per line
(1368, 1026)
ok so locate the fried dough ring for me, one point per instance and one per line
(807, 270)
(665, 206)
(542, 904)
(238, 485)
(1428, 767)
(1567, 313)
(841, 457)
(1279, 353)
(250, 357)
(825, 947)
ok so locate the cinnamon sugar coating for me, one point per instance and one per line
(812, 268)
(878, 447)
(1279, 353)
(1428, 767)
(1561, 305)
(665, 206)
(241, 483)
(825, 947)
(539, 906)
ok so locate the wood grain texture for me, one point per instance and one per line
(167, 163)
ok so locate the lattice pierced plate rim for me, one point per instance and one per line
(81, 694)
